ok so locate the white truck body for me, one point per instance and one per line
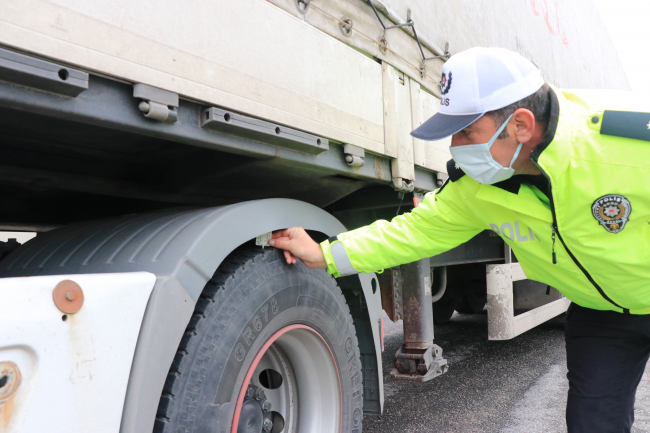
(269, 60)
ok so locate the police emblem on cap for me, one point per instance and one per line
(445, 83)
(612, 211)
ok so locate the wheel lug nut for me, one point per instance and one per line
(268, 425)
(266, 406)
(259, 394)
(250, 392)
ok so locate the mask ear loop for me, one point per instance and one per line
(514, 158)
(494, 137)
(496, 134)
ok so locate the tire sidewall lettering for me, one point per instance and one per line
(269, 310)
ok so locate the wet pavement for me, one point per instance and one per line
(492, 386)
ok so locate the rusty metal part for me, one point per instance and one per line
(416, 293)
(419, 367)
(68, 296)
(390, 287)
(418, 359)
(10, 378)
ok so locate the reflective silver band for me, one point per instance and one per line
(341, 260)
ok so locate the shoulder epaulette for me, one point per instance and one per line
(626, 124)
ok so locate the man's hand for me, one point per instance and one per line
(297, 244)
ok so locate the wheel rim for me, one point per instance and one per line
(296, 373)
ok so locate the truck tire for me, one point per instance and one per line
(271, 347)
(470, 303)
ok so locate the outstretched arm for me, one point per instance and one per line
(439, 224)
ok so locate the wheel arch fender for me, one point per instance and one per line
(183, 248)
(229, 228)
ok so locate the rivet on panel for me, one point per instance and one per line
(68, 296)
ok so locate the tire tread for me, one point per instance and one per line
(230, 270)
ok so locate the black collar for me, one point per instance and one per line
(454, 171)
(551, 127)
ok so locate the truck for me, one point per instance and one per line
(153, 146)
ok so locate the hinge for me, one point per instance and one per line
(403, 185)
(157, 104)
(354, 155)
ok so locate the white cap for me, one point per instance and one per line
(476, 81)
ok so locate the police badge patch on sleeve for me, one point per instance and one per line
(612, 211)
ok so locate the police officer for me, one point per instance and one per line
(563, 177)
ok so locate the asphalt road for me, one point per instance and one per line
(506, 386)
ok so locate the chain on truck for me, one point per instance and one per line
(154, 146)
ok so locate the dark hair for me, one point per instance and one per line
(539, 103)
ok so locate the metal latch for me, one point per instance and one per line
(263, 240)
(403, 185)
(157, 103)
(354, 155)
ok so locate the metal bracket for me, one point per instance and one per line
(263, 240)
(390, 286)
(419, 367)
(157, 104)
(244, 126)
(502, 322)
(41, 75)
(354, 155)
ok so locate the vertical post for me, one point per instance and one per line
(416, 296)
(418, 359)
(507, 253)
(500, 302)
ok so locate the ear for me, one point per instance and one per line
(524, 125)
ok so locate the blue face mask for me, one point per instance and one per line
(477, 162)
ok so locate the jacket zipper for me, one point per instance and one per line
(556, 231)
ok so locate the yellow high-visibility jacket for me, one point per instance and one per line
(595, 220)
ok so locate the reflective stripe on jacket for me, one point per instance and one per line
(598, 164)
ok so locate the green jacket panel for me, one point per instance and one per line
(597, 267)
(584, 165)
